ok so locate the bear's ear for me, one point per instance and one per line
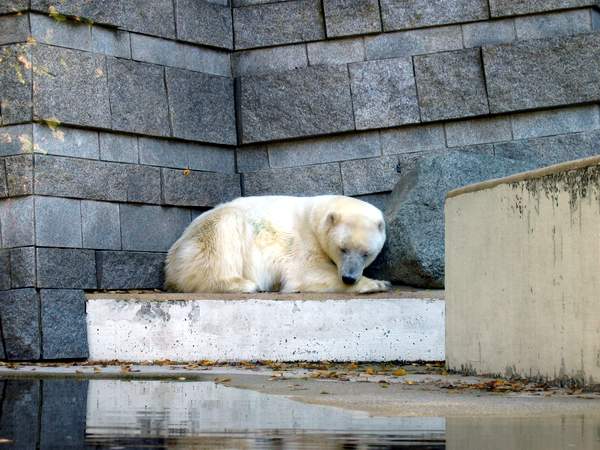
(332, 219)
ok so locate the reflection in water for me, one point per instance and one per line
(58, 414)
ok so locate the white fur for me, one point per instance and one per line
(278, 243)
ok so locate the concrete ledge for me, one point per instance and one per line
(402, 325)
(523, 275)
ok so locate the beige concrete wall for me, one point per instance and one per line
(523, 275)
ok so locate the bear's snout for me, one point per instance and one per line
(348, 280)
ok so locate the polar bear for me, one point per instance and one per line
(279, 243)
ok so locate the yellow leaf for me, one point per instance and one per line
(399, 372)
(370, 371)
(186, 172)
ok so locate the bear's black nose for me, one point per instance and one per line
(348, 280)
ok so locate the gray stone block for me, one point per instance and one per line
(403, 14)
(322, 150)
(414, 42)
(378, 200)
(341, 51)
(64, 331)
(19, 175)
(567, 68)
(240, 3)
(64, 407)
(10, 6)
(57, 222)
(101, 227)
(204, 23)
(130, 270)
(566, 23)
(549, 150)
(65, 141)
(176, 54)
(595, 19)
(201, 106)
(252, 158)
(22, 267)
(151, 228)
(304, 102)
(278, 23)
(16, 222)
(143, 184)
(555, 121)
(5, 269)
(518, 7)
(182, 155)
(3, 186)
(478, 131)
(304, 181)
(367, 176)
(64, 268)
(412, 139)
(478, 34)
(267, 60)
(80, 178)
(14, 29)
(111, 42)
(138, 97)
(118, 147)
(194, 188)
(101, 11)
(15, 84)
(349, 17)
(61, 32)
(414, 249)
(70, 86)
(383, 93)
(451, 85)
(16, 139)
(20, 315)
(20, 421)
(155, 17)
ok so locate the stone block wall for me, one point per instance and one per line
(122, 120)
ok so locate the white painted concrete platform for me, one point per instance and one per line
(405, 325)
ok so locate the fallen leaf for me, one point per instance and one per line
(399, 372)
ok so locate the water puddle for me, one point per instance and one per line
(59, 414)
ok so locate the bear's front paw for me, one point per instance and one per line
(367, 285)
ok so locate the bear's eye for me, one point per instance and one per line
(344, 250)
(365, 255)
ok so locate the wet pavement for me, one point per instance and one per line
(275, 406)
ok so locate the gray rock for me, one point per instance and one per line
(80, 178)
(165, 153)
(267, 60)
(63, 268)
(16, 139)
(153, 17)
(152, 228)
(555, 121)
(20, 419)
(478, 34)
(303, 102)
(322, 150)
(70, 86)
(518, 7)
(278, 23)
(194, 188)
(65, 141)
(143, 184)
(403, 14)
(383, 93)
(367, 176)
(19, 175)
(451, 85)
(339, 51)
(5, 269)
(15, 84)
(101, 227)
(412, 139)
(204, 23)
(565, 23)
(252, 158)
(14, 29)
(13, 6)
(20, 316)
(22, 267)
(319, 179)
(478, 131)
(138, 98)
(378, 200)
(63, 33)
(541, 73)
(64, 331)
(414, 250)
(349, 17)
(64, 407)
(102, 11)
(130, 270)
(118, 147)
(3, 186)
(202, 106)
(57, 222)
(16, 222)
(111, 42)
(210, 158)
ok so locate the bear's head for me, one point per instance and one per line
(354, 233)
